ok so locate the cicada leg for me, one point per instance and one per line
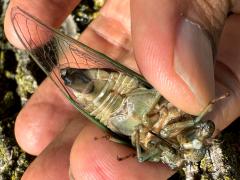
(121, 158)
(109, 137)
(140, 155)
(175, 128)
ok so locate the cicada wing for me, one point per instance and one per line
(44, 42)
(52, 51)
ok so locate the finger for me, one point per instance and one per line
(173, 52)
(44, 116)
(227, 74)
(97, 159)
(53, 162)
(54, 14)
(111, 31)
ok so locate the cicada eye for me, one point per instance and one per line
(77, 79)
(63, 73)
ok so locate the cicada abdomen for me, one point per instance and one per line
(113, 96)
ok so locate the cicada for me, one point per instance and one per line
(115, 97)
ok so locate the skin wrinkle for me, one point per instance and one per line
(215, 11)
(100, 159)
(165, 64)
(213, 8)
(150, 49)
(210, 15)
(102, 168)
(96, 169)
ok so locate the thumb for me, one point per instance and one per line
(173, 45)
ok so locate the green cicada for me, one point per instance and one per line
(114, 97)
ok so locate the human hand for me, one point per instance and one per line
(49, 127)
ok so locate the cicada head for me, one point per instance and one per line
(77, 79)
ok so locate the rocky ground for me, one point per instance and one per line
(18, 82)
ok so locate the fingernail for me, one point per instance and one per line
(193, 60)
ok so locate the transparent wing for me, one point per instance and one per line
(53, 51)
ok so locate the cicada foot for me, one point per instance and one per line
(209, 107)
(121, 158)
(107, 137)
(112, 139)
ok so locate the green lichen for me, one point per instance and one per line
(13, 161)
(27, 84)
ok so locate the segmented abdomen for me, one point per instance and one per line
(111, 96)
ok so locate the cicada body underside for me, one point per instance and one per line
(113, 96)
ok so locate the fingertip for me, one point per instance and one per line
(43, 117)
(27, 138)
(37, 125)
(51, 16)
(53, 162)
(97, 159)
(9, 30)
